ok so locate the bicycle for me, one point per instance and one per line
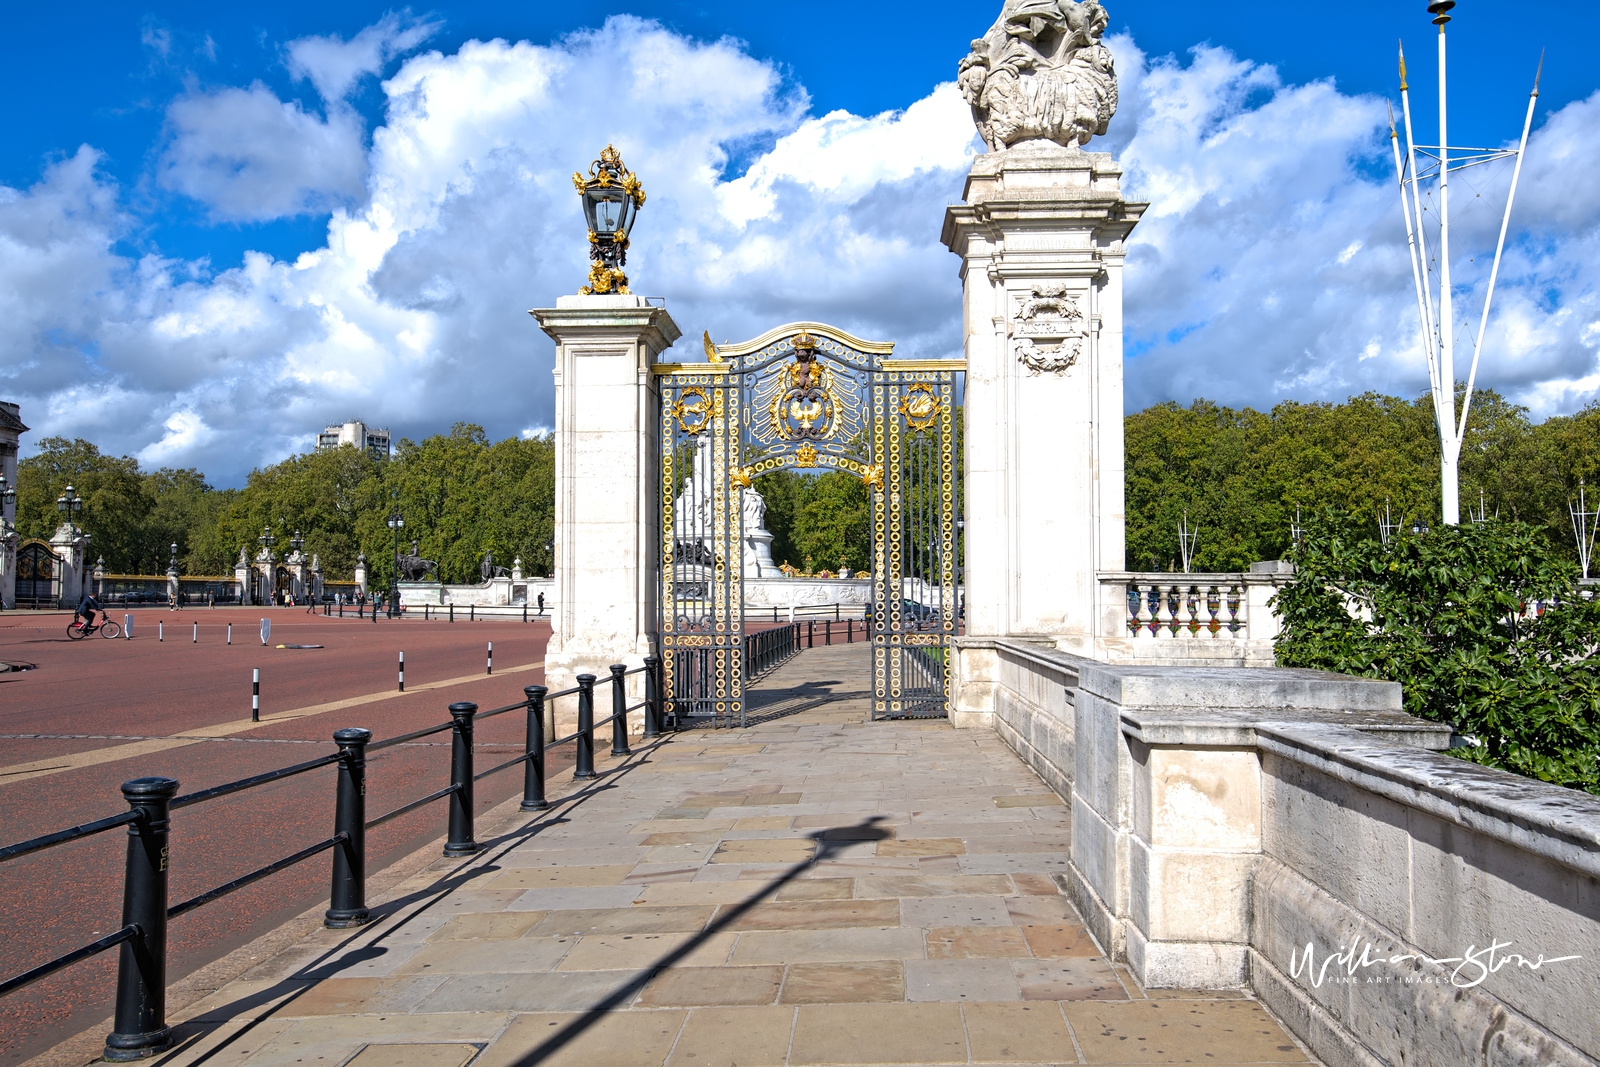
(77, 631)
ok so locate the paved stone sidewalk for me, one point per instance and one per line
(814, 889)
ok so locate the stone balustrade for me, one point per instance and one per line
(1176, 618)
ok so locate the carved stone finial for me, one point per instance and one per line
(1041, 73)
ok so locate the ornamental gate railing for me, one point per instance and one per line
(812, 399)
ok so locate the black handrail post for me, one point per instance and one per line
(583, 769)
(141, 1030)
(348, 899)
(619, 711)
(461, 842)
(652, 697)
(533, 772)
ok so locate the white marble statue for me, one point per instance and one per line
(758, 562)
(691, 518)
(1041, 74)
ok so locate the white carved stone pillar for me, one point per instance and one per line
(1041, 239)
(361, 574)
(606, 516)
(241, 575)
(70, 544)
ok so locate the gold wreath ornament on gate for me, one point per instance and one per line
(694, 410)
(920, 406)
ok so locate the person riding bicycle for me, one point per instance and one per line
(87, 607)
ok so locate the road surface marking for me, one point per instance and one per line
(21, 772)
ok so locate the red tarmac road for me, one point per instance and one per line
(93, 695)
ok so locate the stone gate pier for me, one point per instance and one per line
(1288, 834)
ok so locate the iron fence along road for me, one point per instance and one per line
(140, 1029)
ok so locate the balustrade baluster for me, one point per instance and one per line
(1186, 612)
(1211, 627)
(1143, 618)
(1164, 610)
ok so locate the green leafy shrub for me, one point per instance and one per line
(1444, 614)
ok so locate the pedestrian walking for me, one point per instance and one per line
(541, 603)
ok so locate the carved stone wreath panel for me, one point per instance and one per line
(1049, 329)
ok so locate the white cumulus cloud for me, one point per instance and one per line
(1271, 262)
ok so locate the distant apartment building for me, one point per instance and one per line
(355, 433)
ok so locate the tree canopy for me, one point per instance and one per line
(1242, 473)
(459, 494)
(1239, 473)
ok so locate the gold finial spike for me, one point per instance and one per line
(1403, 85)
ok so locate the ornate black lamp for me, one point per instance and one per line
(612, 197)
(8, 501)
(69, 503)
(396, 523)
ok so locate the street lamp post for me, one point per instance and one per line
(8, 503)
(69, 503)
(396, 524)
(296, 543)
(267, 541)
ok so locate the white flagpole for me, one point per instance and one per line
(1445, 403)
(1494, 272)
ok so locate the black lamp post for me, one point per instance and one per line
(8, 502)
(612, 197)
(267, 541)
(396, 524)
(69, 503)
(296, 543)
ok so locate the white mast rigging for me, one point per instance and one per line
(1438, 326)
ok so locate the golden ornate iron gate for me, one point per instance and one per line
(808, 397)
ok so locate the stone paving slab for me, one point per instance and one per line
(813, 889)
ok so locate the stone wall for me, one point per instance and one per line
(1226, 819)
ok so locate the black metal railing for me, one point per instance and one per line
(694, 673)
(828, 631)
(765, 649)
(140, 1029)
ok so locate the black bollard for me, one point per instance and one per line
(619, 711)
(348, 899)
(452, 613)
(533, 771)
(461, 842)
(402, 688)
(583, 768)
(255, 694)
(652, 698)
(141, 1030)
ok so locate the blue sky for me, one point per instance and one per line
(103, 73)
(223, 225)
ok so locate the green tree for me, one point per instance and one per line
(115, 505)
(1446, 615)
